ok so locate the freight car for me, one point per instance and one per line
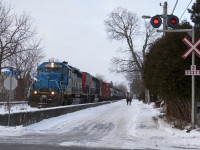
(58, 83)
(105, 88)
(116, 94)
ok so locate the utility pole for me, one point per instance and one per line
(164, 16)
(193, 85)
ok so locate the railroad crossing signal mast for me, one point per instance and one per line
(172, 21)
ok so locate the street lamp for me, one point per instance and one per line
(146, 17)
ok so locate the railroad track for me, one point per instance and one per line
(14, 102)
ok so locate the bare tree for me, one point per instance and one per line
(122, 87)
(133, 60)
(100, 77)
(19, 47)
(150, 35)
(16, 36)
(123, 65)
(124, 25)
(26, 62)
(135, 82)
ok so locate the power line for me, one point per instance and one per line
(174, 6)
(186, 9)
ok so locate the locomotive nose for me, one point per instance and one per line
(43, 99)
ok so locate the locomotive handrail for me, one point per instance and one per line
(61, 84)
(57, 85)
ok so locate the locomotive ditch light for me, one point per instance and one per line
(156, 21)
(35, 92)
(52, 93)
(172, 21)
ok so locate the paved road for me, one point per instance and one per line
(43, 147)
(4, 146)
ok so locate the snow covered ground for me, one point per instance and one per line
(15, 108)
(114, 125)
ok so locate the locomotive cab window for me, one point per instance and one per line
(39, 71)
(65, 71)
(55, 70)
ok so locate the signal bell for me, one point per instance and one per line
(172, 21)
(156, 21)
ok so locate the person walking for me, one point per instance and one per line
(128, 98)
(127, 101)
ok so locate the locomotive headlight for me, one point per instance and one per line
(35, 92)
(52, 65)
(52, 93)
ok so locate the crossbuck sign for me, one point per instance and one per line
(192, 47)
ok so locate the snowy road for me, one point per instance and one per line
(114, 125)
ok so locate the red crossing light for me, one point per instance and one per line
(156, 21)
(172, 21)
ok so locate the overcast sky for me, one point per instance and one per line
(74, 30)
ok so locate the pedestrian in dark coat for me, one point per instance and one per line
(128, 100)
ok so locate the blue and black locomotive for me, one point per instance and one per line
(52, 85)
(57, 83)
